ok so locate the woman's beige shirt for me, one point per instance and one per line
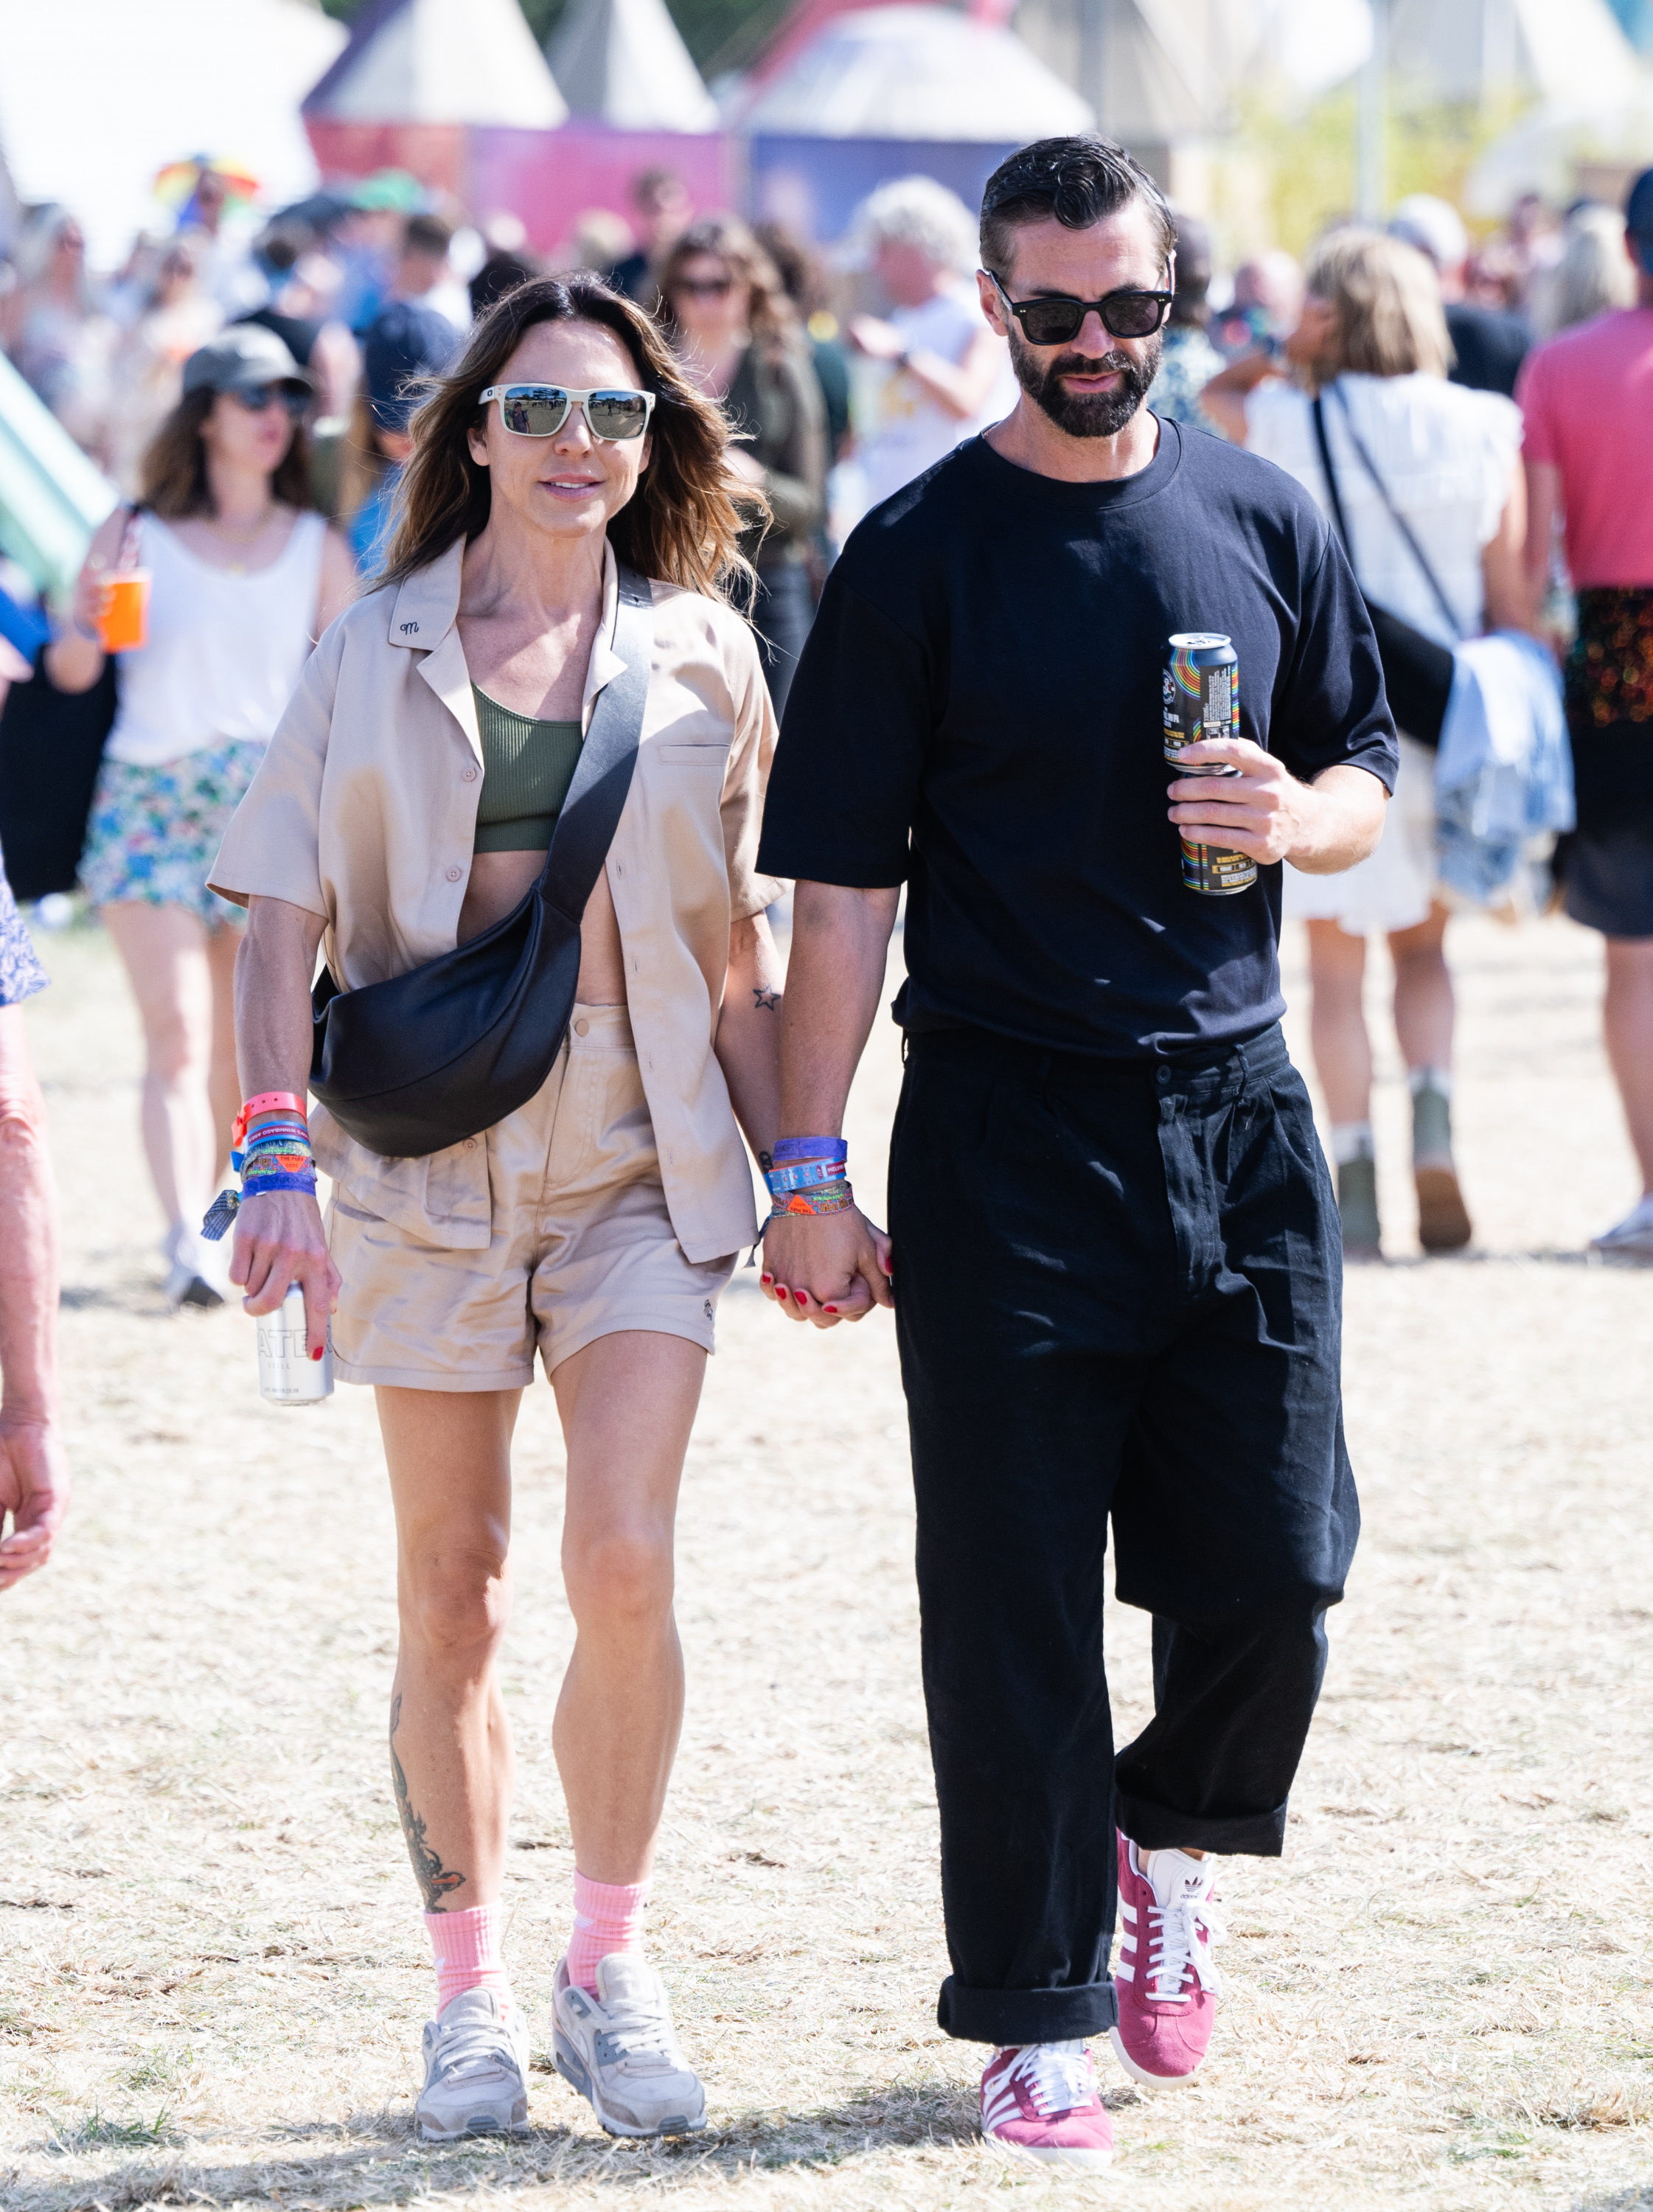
(364, 811)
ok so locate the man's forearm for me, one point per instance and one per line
(835, 979)
(1343, 822)
(28, 1246)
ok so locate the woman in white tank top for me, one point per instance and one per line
(244, 579)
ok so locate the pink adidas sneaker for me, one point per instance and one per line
(1166, 1982)
(1039, 2100)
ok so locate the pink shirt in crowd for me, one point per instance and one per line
(1587, 399)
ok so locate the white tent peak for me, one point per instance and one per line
(624, 62)
(914, 72)
(440, 60)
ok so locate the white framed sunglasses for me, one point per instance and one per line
(539, 410)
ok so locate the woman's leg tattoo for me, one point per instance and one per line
(434, 1879)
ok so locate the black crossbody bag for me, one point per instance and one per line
(1417, 672)
(423, 1060)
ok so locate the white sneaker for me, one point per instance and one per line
(476, 2070)
(619, 2050)
(1630, 1238)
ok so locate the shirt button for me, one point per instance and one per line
(453, 875)
(470, 772)
(581, 1027)
(470, 1144)
(1165, 1075)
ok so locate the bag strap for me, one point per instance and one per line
(1395, 514)
(590, 813)
(1318, 409)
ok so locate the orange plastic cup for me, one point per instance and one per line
(126, 620)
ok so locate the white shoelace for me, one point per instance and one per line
(474, 2046)
(1174, 1947)
(640, 2031)
(1058, 2076)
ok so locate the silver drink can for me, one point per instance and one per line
(286, 1374)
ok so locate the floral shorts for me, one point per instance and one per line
(21, 973)
(154, 832)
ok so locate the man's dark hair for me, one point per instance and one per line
(1078, 181)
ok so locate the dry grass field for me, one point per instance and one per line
(214, 1970)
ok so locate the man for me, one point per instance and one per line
(1589, 456)
(664, 212)
(33, 1477)
(948, 372)
(1189, 360)
(1488, 343)
(1116, 1263)
(424, 276)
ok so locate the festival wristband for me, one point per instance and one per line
(825, 1198)
(267, 1102)
(804, 1175)
(790, 1150)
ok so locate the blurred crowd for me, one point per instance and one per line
(848, 373)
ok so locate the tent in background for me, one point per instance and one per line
(624, 62)
(51, 497)
(912, 72)
(886, 92)
(97, 95)
(415, 74)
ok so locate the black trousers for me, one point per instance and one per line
(1118, 1292)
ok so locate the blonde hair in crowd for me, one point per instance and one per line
(1388, 303)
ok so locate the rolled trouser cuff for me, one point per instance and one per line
(1154, 1828)
(1018, 2016)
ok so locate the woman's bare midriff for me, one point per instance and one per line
(499, 881)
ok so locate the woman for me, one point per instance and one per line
(244, 576)
(50, 324)
(1373, 341)
(179, 317)
(738, 338)
(406, 805)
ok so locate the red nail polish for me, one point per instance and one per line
(766, 1280)
(829, 1310)
(316, 1355)
(798, 1295)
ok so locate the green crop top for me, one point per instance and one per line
(527, 768)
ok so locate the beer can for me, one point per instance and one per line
(1200, 698)
(286, 1374)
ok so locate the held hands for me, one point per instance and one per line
(826, 1267)
(1263, 810)
(279, 1240)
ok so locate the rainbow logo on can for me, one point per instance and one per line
(1200, 698)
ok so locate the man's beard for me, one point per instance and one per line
(1087, 414)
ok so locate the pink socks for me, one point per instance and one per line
(608, 1915)
(467, 1947)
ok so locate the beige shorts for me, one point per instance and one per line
(582, 1244)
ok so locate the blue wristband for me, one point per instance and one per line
(804, 1175)
(793, 1149)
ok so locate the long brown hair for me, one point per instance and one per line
(682, 526)
(175, 469)
(771, 317)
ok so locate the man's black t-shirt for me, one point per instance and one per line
(977, 714)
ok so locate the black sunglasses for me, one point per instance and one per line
(1127, 314)
(264, 395)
